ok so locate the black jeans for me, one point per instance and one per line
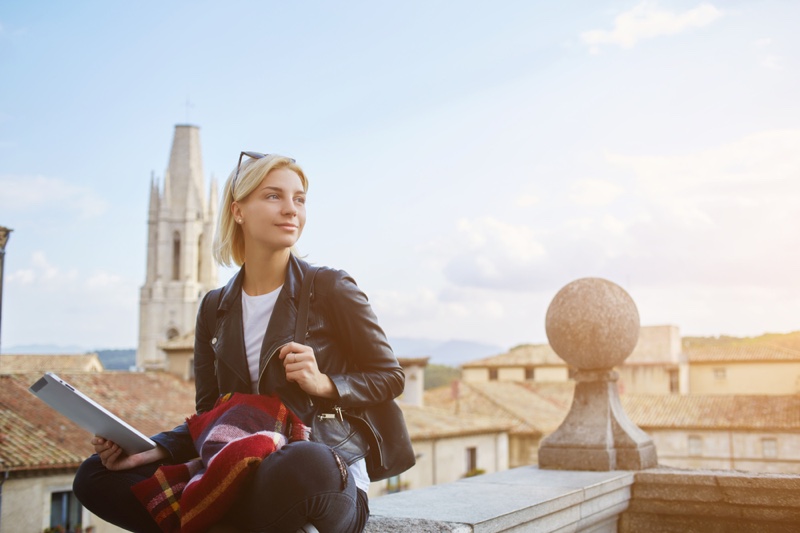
(300, 483)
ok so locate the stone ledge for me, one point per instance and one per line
(524, 498)
(706, 500)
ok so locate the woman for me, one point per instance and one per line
(243, 343)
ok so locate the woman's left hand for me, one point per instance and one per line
(300, 365)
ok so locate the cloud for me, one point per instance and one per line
(725, 216)
(489, 253)
(594, 192)
(27, 193)
(646, 21)
(46, 301)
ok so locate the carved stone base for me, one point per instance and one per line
(597, 434)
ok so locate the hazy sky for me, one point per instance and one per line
(466, 159)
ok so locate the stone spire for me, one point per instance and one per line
(180, 269)
(185, 171)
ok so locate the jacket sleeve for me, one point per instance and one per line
(178, 442)
(375, 374)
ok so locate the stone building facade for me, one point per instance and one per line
(180, 229)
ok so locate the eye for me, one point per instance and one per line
(272, 196)
(300, 200)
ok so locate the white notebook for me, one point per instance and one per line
(88, 414)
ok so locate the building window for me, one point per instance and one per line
(393, 484)
(176, 256)
(529, 374)
(492, 374)
(719, 373)
(674, 382)
(65, 512)
(695, 446)
(769, 448)
(472, 459)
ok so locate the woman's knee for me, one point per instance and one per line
(307, 462)
(87, 471)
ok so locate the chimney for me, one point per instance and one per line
(414, 367)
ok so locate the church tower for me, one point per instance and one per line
(180, 269)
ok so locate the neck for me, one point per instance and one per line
(264, 272)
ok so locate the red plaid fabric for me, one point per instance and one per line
(232, 439)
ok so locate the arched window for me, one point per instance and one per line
(176, 256)
(172, 333)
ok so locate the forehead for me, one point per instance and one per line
(283, 178)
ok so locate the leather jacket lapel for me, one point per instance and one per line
(280, 329)
(229, 348)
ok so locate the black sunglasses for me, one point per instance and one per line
(254, 155)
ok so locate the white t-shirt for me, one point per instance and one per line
(256, 312)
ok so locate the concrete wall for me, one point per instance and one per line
(444, 460)
(712, 502)
(475, 375)
(736, 450)
(745, 378)
(644, 379)
(26, 505)
(514, 373)
(551, 373)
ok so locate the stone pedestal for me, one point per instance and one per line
(593, 325)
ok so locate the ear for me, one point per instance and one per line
(236, 211)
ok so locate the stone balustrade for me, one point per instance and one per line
(598, 471)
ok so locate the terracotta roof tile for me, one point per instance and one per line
(528, 408)
(429, 422)
(539, 408)
(740, 353)
(21, 363)
(768, 412)
(525, 355)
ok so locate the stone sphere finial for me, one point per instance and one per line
(592, 324)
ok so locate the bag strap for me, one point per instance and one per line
(301, 326)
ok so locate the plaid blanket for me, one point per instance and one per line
(232, 439)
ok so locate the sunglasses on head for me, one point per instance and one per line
(253, 155)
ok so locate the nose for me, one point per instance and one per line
(290, 208)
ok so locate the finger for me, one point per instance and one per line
(286, 349)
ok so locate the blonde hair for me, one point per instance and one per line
(228, 246)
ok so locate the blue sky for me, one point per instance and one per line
(466, 159)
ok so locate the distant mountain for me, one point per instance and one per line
(117, 359)
(448, 353)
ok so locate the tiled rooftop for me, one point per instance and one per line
(429, 422)
(524, 355)
(58, 363)
(714, 411)
(539, 408)
(527, 408)
(741, 353)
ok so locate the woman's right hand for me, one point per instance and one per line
(114, 457)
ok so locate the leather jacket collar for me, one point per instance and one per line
(279, 331)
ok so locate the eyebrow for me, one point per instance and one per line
(281, 189)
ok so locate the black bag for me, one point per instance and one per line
(383, 425)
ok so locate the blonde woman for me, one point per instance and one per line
(244, 344)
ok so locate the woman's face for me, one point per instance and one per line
(274, 214)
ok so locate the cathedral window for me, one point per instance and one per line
(176, 256)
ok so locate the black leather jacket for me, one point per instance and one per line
(349, 345)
